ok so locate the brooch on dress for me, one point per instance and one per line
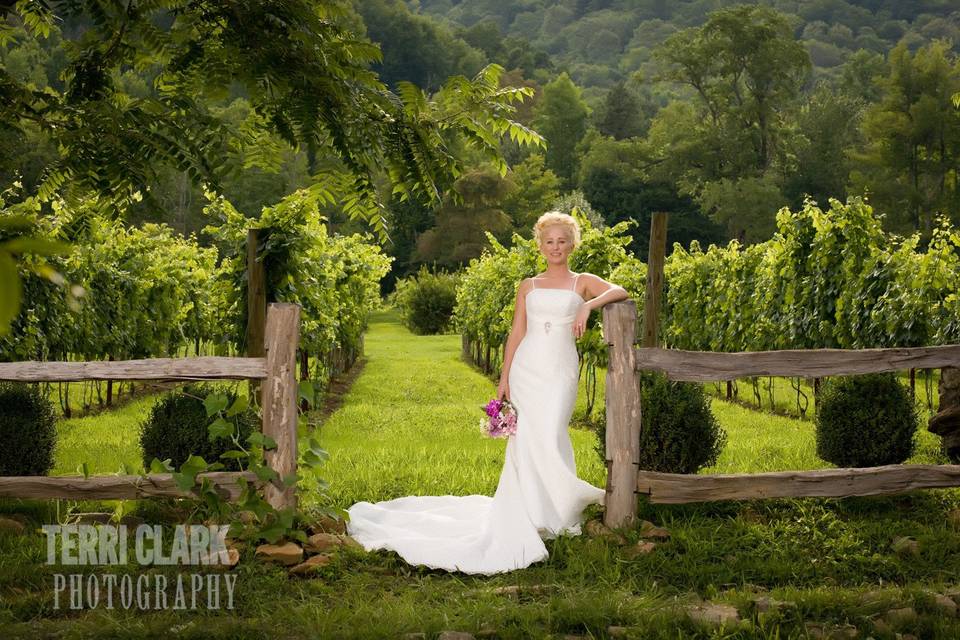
(546, 327)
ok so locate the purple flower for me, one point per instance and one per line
(502, 418)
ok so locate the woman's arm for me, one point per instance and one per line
(600, 293)
(517, 331)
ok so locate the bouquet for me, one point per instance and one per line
(501, 420)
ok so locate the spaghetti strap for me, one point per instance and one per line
(574, 287)
(534, 281)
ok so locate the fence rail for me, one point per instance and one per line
(709, 366)
(122, 487)
(199, 368)
(824, 483)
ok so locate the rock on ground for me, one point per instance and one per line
(311, 564)
(288, 554)
(714, 614)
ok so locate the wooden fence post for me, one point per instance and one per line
(256, 307)
(280, 398)
(623, 414)
(946, 422)
(655, 258)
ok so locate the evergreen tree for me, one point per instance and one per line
(461, 223)
(909, 164)
(621, 116)
(562, 120)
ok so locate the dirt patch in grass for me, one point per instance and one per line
(337, 389)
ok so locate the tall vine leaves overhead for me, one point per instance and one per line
(306, 73)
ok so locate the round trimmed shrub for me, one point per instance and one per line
(426, 301)
(865, 421)
(28, 430)
(679, 433)
(177, 427)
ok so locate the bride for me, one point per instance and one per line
(539, 495)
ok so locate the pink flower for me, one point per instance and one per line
(502, 418)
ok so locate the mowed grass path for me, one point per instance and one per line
(409, 425)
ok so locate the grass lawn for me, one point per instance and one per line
(785, 399)
(408, 425)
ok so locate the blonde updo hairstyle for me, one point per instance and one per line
(555, 218)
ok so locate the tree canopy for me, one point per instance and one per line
(306, 74)
(303, 68)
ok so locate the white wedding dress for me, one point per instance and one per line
(539, 495)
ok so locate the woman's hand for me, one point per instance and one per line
(503, 389)
(580, 321)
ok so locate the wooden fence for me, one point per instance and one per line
(275, 370)
(625, 480)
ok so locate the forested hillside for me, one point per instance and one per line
(721, 112)
(601, 42)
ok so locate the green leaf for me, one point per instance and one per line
(239, 405)
(317, 450)
(311, 459)
(214, 403)
(264, 472)
(257, 438)
(36, 246)
(220, 428)
(156, 466)
(84, 469)
(16, 221)
(184, 481)
(298, 535)
(305, 391)
(193, 465)
(273, 532)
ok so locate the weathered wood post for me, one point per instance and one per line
(280, 398)
(655, 259)
(946, 422)
(624, 413)
(622, 401)
(256, 306)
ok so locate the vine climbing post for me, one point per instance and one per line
(280, 399)
(256, 305)
(655, 259)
